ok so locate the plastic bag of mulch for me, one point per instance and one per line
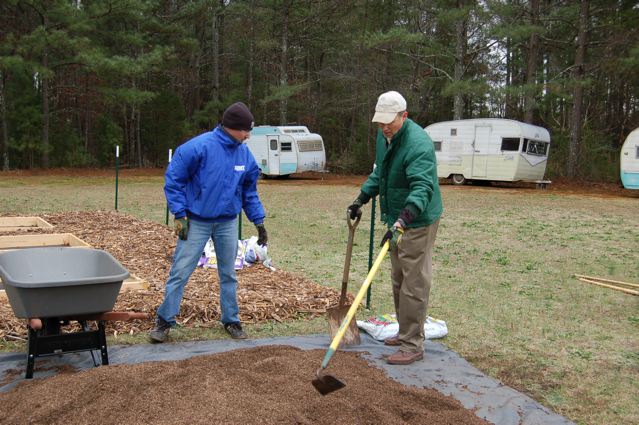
(209, 260)
(256, 253)
(386, 326)
(248, 252)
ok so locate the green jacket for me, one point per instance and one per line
(405, 176)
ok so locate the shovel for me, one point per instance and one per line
(336, 315)
(325, 383)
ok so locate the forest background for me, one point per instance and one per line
(80, 77)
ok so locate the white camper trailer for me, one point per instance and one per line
(629, 162)
(284, 150)
(490, 149)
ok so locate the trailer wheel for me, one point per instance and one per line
(458, 179)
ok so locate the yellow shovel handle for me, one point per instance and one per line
(358, 299)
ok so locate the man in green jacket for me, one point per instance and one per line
(405, 178)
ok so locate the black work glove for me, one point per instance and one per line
(394, 235)
(354, 210)
(262, 236)
(181, 226)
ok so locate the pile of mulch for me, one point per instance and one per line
(268, 385)
(146, 249)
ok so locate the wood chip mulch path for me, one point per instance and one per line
(146, 249)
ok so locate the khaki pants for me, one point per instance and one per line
(411, 275)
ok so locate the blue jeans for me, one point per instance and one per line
(187, 254)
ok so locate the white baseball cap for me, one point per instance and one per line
(388, 106)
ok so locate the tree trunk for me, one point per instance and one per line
(138, 138)
(284, 63)
(509, 80)
(251, 61)
(460, 56)
(578, 77)
(45, 112)
(3, 123)
(531, 69)
(215, 52)
(125, 127)
(87, 114)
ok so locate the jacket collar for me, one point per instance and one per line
(226, 139)
(398, 136)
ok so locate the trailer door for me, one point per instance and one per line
(274, 155)
(480, 150)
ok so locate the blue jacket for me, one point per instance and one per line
(211, 178)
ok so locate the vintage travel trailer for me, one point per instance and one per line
(629, 161)
(490, 149)
(284, 150)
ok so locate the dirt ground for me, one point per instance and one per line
(268, 385)
(560, 185)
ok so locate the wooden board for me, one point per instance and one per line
(10, 224)
(134, 283)
(33, 241)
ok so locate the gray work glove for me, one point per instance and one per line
(394, 235)
(181, 226)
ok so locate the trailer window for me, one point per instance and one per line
(286, 147)
(453, 132)
(637, 153)
(438, 146)
(524, 147)
(535, 147)
(509, 144)
(273, 144)
(309, 145)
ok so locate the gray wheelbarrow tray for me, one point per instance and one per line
(60, 281)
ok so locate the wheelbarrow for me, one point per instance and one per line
(52, 286)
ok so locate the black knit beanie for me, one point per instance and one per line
(238, 117)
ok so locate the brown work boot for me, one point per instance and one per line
(393, 340)
(405, 357)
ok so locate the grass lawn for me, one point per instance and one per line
(504, 261)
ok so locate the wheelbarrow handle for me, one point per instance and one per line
(351, 311)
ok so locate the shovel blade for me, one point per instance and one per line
(326, 384)
(335, 318)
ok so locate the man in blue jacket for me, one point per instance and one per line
(208, 182)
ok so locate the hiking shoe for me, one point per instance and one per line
(405, 357)
(235, 330)
(393, 341)
(160, 333)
